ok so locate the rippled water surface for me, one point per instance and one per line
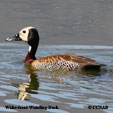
(71, 92)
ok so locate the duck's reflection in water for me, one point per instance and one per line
(30, 87)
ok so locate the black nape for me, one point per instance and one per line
(33, 41)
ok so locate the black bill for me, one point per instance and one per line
(14, 38)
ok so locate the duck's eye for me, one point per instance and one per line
(24, 31)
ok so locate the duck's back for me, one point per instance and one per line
(65, 62)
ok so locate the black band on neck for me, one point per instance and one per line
(33, 41)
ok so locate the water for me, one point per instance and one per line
(70, 92)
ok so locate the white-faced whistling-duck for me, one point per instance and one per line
(55, 62)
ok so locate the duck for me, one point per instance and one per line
(66, 61)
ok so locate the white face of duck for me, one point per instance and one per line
(29, 35)
(23, 33)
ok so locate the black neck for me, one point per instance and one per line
(33, 41)
(32, 52)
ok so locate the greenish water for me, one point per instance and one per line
(20, 86)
